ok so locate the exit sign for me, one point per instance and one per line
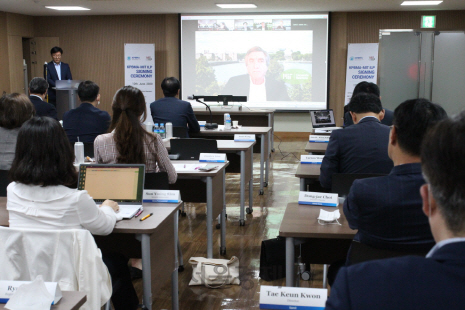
(428, 21)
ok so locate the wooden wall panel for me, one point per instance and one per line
(94, 46)
(15, 56)
(20, 25)
(337, 73)
(4, 62)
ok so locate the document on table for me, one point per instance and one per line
(188, 167)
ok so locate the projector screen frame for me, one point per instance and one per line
(323, 104)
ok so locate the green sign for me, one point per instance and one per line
(428, 21)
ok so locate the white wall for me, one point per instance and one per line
(292, 122)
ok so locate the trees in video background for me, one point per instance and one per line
(206, 82)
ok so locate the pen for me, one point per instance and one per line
(146, 217)
(139, 212)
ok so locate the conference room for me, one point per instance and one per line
(268, 175)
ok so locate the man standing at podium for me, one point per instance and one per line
(56, 70)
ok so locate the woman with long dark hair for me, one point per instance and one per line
(43, 195)
(128, 142)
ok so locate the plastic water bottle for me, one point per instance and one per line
(79, 152)
(227, 121)
(161, 132)
(156, 129)
(169, 130)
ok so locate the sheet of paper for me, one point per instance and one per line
(188, 167)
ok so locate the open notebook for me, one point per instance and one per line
(121, 183)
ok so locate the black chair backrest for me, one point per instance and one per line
(4, 181)
(341, 182)
(89, 149)
(179, 132)
(360, 252)
(190, 149)
(157, 180)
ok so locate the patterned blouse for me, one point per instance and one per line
(105, 153)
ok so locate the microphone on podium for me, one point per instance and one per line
(210, 125)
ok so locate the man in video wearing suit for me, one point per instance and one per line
(361, 148)
(37, 92)
(173, 110)
(387, 210)
(413, 282)
(56, 70)
(254, 84)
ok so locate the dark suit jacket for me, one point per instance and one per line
(361, 148)
(387, 120)
(240, 86)
(52, 76)
(403, 283)
(175, 111)
(387, 211)
(43, 108)
(85, 122)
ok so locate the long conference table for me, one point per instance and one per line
(245, 117)
(154, 240)
(246, 169)
(307, 171)
(265, 148)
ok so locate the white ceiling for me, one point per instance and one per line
(114, 7)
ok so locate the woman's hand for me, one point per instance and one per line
(112, 204)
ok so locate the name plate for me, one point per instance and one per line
(212, 157)
(8, 288)
(311, 159)
(244, 138)
(316, 138)
(170, 196)
(202, 123)
(318, 199)
(281, 297)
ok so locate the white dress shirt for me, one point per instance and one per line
(58, 68)
(257, 93)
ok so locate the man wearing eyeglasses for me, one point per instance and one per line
(56, 70)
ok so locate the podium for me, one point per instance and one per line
(67, 97)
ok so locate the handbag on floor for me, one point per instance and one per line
(273, 259)
(214, 273)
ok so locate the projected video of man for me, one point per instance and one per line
(255, 84)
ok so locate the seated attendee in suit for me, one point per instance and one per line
(15, 109)
(86, 122)
(255, 84)
(56, 70)
(361, 148)
(37, 92)
(171, 109)
(43, 195)
(128, 142)
(370, 88)
(387, 210)
(414, 282)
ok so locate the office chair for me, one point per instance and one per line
(180, 132)
(76, 263)
(4, 181)
(159, 180)
(341, 182)
(190, 149)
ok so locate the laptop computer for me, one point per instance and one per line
(323, 119)
(121, 183)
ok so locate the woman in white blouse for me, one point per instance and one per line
(43, 195)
